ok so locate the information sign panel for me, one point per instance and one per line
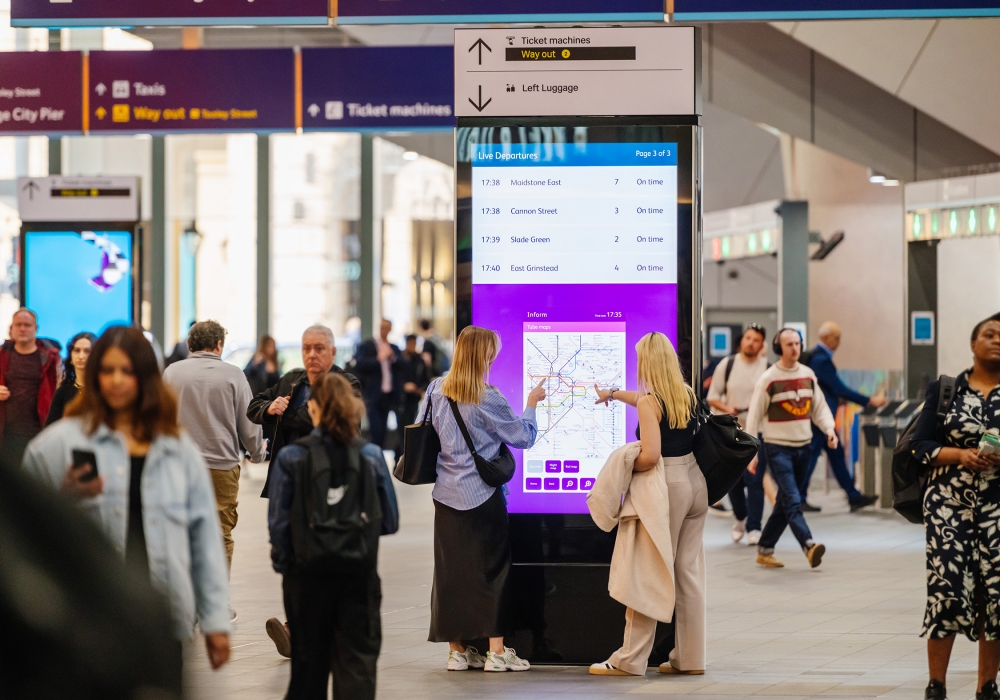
(40, 92)
(772, 10)
(414, 87)
(569, 71)
(107, 13)
(78, 198)
(575, 255)
(204, 90)
(497, 11)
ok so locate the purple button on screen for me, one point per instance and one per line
(569, 484)
(552, 484)
(571, 466)
(533, 484)
(586, 484)
(552, 466)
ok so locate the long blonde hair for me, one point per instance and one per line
(475, 350)
(659, 374)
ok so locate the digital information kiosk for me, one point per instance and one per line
(576, 236)
(79, 252)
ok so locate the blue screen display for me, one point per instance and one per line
(78, 280)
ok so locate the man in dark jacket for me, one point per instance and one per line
(380, 371)
(282, 408)
(821, 363)
(415, 376)
(28, 375)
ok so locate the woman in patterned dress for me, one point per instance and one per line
(961, 513)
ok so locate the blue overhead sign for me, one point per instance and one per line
(414, 87)
(103, 13)
(771, 10)
(497, 11)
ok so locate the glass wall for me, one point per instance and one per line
(414, 210)
(211, 206)
(315, 208)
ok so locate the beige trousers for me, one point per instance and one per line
(227, 491)
(688, 505)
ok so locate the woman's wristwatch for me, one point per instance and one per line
(612, 394)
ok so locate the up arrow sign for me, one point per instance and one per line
(481, 44)
(100, 89)
(31, 187)
(313, 110)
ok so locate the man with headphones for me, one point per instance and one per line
(786, 402)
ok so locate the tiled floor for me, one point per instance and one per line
(847, 629)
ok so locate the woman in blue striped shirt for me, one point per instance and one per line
(471, 545)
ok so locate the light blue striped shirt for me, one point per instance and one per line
(490, 423)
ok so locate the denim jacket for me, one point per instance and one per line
(187, 562)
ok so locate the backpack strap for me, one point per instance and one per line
(731, 360)
(461, 426)
(945, 396)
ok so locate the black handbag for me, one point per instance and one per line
(723, 450)
(495, 472)
(421, 447)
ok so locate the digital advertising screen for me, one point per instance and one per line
(574, 257)
(78, 280)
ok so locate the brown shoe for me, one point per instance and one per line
(768, 561)
(279, 635)
(815, 554)
(667, 667)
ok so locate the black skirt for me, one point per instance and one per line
(471, 566)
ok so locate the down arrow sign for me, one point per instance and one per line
(482, 105)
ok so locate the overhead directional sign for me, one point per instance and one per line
(576, 71)
(496, 11)
(414, 87)
(40, 92)
(204, 90)
(771, 10)
(78, 198)
(104, 13)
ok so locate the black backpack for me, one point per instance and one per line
(336, 518)
(909, 476)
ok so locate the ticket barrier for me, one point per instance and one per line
(892, 421)
(868, 422)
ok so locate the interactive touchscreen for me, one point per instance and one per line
(574, 258)
(78, 280)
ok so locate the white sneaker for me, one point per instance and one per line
(458, 661)
(476, 660)
(508, 661)
(739, 529)
(753, 537)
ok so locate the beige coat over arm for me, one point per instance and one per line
(642, 567)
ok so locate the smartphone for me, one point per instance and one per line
(81, 457)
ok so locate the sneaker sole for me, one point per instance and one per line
(670, 670)
(281, 642)
(777, 565)
(466, 668)
(608, 672)
(494, 669)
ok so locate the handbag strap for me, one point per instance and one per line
(461, 426)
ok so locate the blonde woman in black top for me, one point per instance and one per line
(667, 424)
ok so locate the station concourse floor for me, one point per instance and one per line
(846, 629)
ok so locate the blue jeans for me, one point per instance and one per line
(838, 463)
(749, 504)
(788, 466)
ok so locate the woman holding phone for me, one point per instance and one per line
(149, 489)
(961, 516)
(471, 545)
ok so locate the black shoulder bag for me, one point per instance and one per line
(909, 476)
(723, 451)
(421, 447)
(495, 472)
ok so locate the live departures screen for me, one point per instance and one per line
(571, 237)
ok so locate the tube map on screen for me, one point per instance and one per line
(574, 258)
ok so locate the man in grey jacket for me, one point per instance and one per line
(213, 397)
